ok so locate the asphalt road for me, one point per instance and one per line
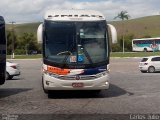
(131, 92)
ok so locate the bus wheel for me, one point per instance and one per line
(151, 69)
(96, 92)
(145, 50)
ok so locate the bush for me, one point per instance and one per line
(116, 48)
(20, 52)
(127, 43)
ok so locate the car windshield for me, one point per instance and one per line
(144, 59)
(75, 42)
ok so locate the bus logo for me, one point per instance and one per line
(77, 77)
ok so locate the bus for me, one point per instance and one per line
(76, 50)
(146, 44)
(2, 51)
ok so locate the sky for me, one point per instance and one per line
(22, 11)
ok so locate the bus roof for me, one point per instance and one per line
(147, 38)
(73, 15)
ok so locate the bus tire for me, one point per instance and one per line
(45, 91)
(96, 92)
(151, 69)
(145, 49)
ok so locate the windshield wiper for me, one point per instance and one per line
(66, 57)
(88, 56)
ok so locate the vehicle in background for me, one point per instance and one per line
(146, 44)
(75, 50)
(2, 51)
(32, 52)
(150, 64)
(12, 69)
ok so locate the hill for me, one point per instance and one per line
(24, 28)
(140, 27)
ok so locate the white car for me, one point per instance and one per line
(150, 64)
(12, 69)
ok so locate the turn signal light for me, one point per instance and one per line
(14, 67)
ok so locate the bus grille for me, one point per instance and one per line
(84, 77)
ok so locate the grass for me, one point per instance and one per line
(24, 28)
(25, 56)
(113, 54)
(134, 54)
(139, 27)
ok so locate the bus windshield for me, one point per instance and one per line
(75, 43)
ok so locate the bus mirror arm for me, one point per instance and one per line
(40, 33)
(113, 33)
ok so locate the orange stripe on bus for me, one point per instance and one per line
(58, 70)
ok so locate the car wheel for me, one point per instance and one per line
(7, 76)
(145, 49)
(143, 71)
(10, 77)
(151, 69)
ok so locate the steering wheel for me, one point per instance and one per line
(65, 53)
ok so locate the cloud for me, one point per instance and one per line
(33, 10)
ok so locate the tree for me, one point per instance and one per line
(27, 42)
(10, 42)
(123, 15)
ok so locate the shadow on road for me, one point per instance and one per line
(113, 91)
(15, 78)
(11, 91)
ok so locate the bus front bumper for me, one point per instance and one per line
(52, 83)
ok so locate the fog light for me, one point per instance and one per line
(47, 82)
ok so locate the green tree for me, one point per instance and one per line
(127, 42)
(28, 42)
(116, 48)
(123, 15)
(10, 42)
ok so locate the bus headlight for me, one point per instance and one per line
(102, 74)
(50, 73)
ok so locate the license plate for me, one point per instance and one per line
(77, 85)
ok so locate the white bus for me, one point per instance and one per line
(75, 50)
(2, 51)
(146, 44)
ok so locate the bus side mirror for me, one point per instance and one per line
(113, 33)
(40, 33)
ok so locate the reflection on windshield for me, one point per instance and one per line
(92, 38)
(75, 42)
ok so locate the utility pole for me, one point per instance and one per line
(12, 55)
(123, 35)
